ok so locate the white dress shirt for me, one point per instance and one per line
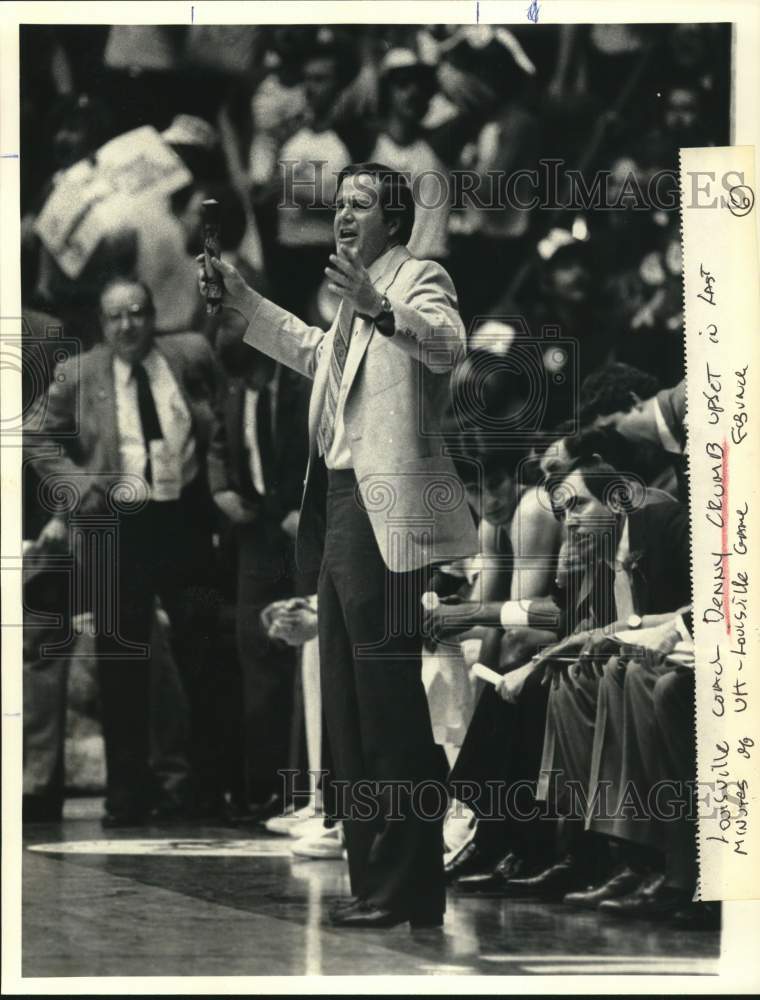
(174, 463)
(667, 440)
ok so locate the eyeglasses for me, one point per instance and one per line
(133, 312)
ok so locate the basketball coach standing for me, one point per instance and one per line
(382, 503)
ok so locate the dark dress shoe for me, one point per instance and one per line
(343, 905)
(622, 883)
(469, 860)
(553, 882)
(697, 917)
(493, 883)
(368, 916)
(653, 899)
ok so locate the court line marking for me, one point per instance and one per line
(169, 847)
(651, 959)
(682, 968)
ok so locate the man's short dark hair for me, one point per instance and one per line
(611, 388)
(397, 199)
(610, 466)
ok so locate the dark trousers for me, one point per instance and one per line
(386, 768)
(497, 770)
(162, 550)
(46, 681)
(265, 574)
(673, 699)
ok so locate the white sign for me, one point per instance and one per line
(93, 199)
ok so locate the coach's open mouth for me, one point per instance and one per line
(346, 235)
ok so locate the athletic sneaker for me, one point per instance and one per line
(287, 823)
(326, 846)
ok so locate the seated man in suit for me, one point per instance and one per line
(635, 549)
(125, 438)
(611, 549)
(257, 468)
(382, 503)
(653, 706)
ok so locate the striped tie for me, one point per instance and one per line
(341, 342)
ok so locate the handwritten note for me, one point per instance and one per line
(723, 376)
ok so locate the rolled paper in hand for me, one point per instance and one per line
(486, 674)
(212, 247)
(430, 600)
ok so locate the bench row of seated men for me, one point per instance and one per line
(580, 763)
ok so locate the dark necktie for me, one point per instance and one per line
(151, 425)
(603, 594)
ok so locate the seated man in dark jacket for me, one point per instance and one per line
(634, 543)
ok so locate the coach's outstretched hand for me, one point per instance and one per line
(349, 279)
(237, 293)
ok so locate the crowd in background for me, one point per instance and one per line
(576, 351)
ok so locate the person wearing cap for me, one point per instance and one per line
(424, 142)
(307, 165)
(407, 85)
(382, 503)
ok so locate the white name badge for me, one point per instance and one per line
(166, 470)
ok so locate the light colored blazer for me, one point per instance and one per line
(397, 392)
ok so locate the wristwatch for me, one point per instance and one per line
(384, 319)
(633, 621)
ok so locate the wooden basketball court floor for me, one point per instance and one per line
(214, 901)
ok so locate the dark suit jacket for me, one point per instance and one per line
(228, 455)
(659, 564)
(659, 536)
(77, 444)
